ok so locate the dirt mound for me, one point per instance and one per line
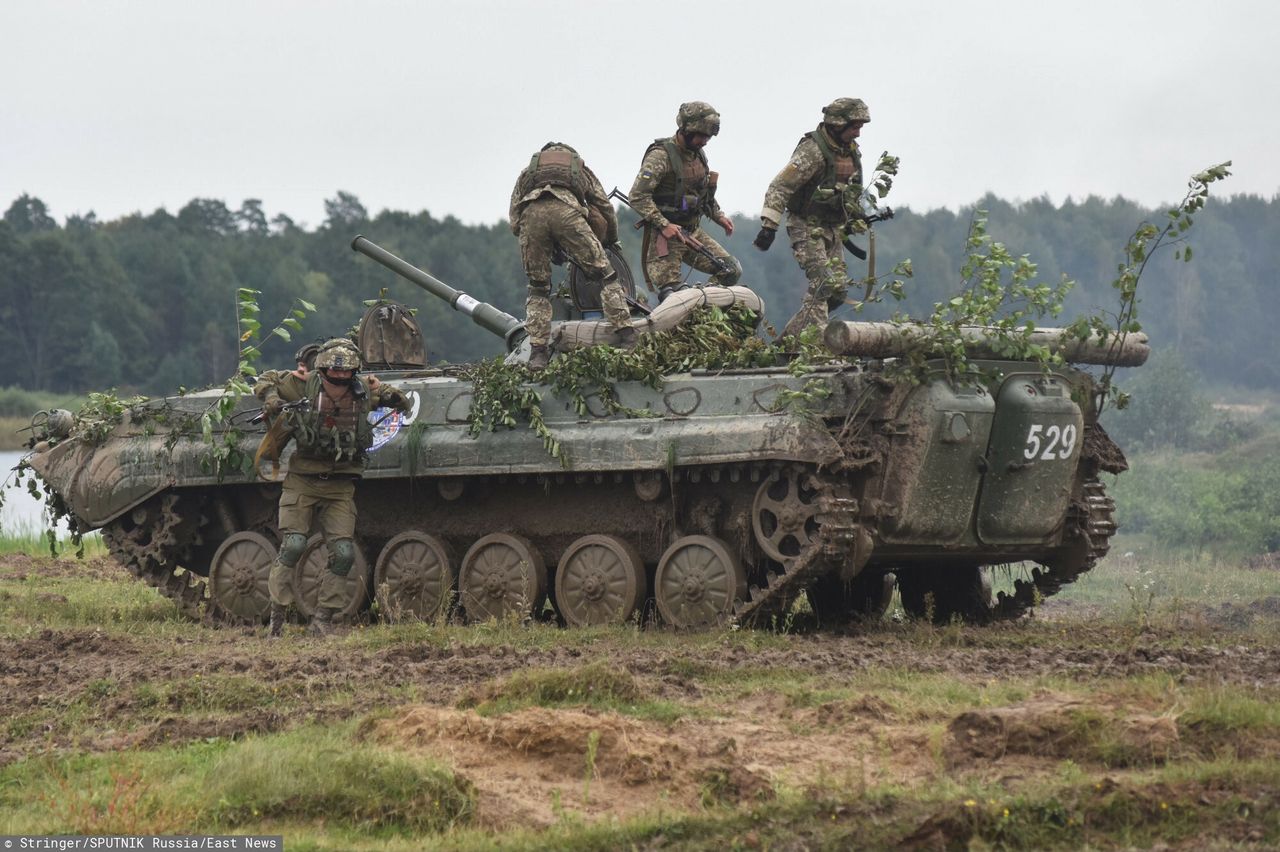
(1059, 726)
(533, 765)
(529, 764)
(20, 566)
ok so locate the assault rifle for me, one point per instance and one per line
(856, 250)
(683, 235)
(261, 413)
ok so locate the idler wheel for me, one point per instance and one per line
(414, 577)
(502, 576)
(698, 580)
(238, 575)
(313, 564)
(600, 580)
(784, 514)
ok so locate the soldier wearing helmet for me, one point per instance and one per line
(332, 432)
(305, 358)
(558, 203)
(820, 189)
(673, 191)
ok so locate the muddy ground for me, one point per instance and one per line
(81, 689)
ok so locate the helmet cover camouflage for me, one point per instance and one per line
(698, 117)
(550, 145)
(842, 111)
(338, 354)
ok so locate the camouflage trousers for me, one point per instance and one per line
(304, 499)
(664, 271)
(544, 224)
(819, 251)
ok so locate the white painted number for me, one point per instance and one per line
(1057, 442)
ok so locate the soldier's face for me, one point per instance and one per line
(336, 376)
(851, 132)
(696, 141)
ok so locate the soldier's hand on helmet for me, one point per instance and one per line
(764, 239)
(726, 223)
(372, 383)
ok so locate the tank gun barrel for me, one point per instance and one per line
(483, 314)
(890, 340)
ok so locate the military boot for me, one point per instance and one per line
(321, 623)
(539, 357)
(277, 621)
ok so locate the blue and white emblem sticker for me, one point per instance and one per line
(387, 422)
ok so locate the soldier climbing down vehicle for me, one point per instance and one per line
(820, 189)
(332, 433)
(559, 206)
(673, 191)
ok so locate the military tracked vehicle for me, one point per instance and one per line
(720, 503)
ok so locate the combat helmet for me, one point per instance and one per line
(306, 354)
(338, 354)
(698, 117)
(844, 111)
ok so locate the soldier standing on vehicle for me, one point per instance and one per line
(559, 204)
(333, 434)
(673, 191)
(820, 189)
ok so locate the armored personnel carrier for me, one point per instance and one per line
(710, 496)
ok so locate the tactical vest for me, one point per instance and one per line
(687, 188)
(824, 196)
(555, 167)
(341, 435)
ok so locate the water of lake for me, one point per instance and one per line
(22, 514)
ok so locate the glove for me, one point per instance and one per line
(558, 257)
(272, 407)
(764, 239)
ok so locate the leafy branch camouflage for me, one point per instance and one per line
(1145, 241)
(712, 338)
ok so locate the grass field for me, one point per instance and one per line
(1138, 708)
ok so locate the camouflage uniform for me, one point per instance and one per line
(546, 215)
(818, 188)
(676, 186)
(332, 435)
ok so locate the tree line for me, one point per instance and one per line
(147, 303)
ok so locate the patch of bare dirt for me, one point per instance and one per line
(20, 566)
(529, 765)
(1058, 726)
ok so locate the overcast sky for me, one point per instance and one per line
(118, 107)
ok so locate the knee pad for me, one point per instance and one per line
(291, 548)
(342, 555)
(732, 278)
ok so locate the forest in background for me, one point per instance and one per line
(146, 303)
